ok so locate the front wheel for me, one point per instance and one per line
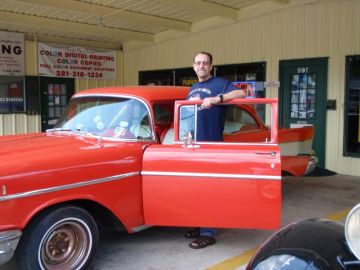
(61, 239)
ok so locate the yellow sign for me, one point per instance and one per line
(189, 82)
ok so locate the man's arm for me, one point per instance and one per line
(208, 102)
(234, 94)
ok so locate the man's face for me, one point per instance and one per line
(202, 66)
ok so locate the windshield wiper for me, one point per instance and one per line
(76, 131)
(83, 132)
(58, 129)
(87, 133)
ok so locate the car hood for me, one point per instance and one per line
(64, 158)
(25, 146)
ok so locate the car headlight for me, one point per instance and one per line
(285, 261)
(352, 230)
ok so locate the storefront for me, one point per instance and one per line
(34, 94)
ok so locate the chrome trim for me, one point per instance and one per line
(140, 228)
(212, 175)
(69, 186)
(229, 143)
(311, 165)
(8, 243)
(349, 240)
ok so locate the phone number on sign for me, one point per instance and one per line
(81, 74)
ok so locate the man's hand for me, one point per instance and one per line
(208, 102)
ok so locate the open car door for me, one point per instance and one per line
(213, 184)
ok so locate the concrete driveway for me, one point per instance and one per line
(166, 248)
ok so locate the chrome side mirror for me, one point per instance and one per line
(188, 140)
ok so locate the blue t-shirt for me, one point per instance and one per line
(210, 122)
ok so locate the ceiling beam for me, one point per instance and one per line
(111, 13)
(284, 2)
(206, 7)
(77, 28)
(73, 41)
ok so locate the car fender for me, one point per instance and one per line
(313, 243)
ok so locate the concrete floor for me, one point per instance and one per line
(164, 248)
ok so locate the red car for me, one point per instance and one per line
(109, 162)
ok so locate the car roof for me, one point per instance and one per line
(148, 93)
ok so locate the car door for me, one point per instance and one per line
(213, 184)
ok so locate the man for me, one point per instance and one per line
(212, 90)
(211, 120)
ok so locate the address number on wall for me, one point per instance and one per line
(302, 70)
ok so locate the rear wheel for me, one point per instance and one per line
(60, 239)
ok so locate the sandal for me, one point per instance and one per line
(202, 242)
(195, 233)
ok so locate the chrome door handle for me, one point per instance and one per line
(273, 154)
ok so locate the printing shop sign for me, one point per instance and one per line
(75, 62)
(11, 54)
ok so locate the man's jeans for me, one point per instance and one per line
(207, 232)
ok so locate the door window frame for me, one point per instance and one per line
(273, 118)
(44, 97)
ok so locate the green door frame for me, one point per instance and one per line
(311, 75)
(55, 93)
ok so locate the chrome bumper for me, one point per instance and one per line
(8, 244)
(311, 165)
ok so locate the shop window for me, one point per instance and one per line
(253, 72)
(12, 97)
(244, 76)
(32, 90)
(352, 108)
(157, 77)
(185, 77)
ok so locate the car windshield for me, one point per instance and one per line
(124, 118)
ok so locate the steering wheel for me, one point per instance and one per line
(140, 131)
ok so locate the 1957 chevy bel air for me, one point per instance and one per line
(126, 156)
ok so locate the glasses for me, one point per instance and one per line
(198, 63)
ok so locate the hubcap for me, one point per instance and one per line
(66, 245)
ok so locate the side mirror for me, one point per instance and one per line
(188, 140)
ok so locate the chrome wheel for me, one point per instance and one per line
(66, 245)
(59, 238)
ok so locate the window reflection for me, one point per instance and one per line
(187, 121)
(303, 87)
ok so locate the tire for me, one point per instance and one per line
(59, 239)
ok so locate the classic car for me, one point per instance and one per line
(109, 162)
(297, 155)
(312, 244)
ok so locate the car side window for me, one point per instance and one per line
(163, 118)
(140, 121)
(187, 122)
(237, 119)
(163, 114)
